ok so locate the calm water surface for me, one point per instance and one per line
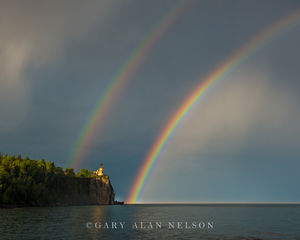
(84, 222)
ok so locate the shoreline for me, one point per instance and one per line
(8, 206)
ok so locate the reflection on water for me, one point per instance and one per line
(152, 222)
(99, 213)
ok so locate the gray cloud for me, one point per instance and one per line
(226, 115)
(35, 33)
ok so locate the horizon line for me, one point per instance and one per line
(213, 203)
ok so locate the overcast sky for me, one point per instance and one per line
(239, 142)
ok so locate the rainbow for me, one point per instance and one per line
(117, 83)
(224, 68)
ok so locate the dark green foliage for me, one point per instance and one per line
(31, 182)
(85, 173)
(69, 172)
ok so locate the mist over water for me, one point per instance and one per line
(124, 222)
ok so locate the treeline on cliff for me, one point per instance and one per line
(29, 182)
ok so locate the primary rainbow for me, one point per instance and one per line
(224, 68)
(117, 83)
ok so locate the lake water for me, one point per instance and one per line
(158, 222)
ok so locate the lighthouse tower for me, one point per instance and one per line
(100, 171)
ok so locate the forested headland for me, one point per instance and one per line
(24, 181)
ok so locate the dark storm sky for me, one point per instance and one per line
(238, 143)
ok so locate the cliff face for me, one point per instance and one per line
(86, 191)
(101, 191)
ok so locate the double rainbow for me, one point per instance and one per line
(224, 68)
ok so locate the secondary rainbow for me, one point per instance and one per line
(132, 63)
(224, 68)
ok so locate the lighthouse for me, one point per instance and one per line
(100, 171)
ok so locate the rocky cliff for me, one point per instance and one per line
(86, 191)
